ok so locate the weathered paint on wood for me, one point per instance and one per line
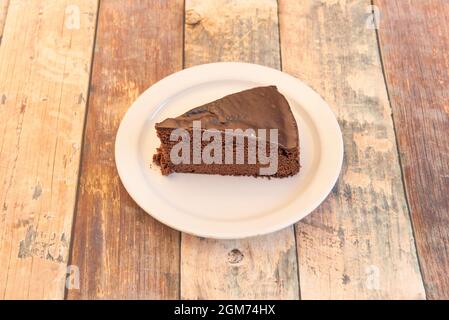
(414, 38)
(358, 244)
(44, 72)
(120, 250)
(236, 30)
(262, 267)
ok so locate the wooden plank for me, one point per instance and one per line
(359, 243)
(414, 38)
(3, 10)
(262, 267)
(45, 59)
(120, 250)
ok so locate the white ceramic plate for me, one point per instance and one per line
(219, 206)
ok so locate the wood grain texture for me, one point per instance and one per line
(120, 250)
(256, 268)
(358, 244)
(414, 38)
(45, 58)
(3, 11)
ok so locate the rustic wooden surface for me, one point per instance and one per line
(414, 38)
(359, 243)
(210, 269)
(387, 86)
(3, 9)
(44, 73)
(121, 251)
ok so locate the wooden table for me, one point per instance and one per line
(69, 70)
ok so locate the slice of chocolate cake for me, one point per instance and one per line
(246, 133)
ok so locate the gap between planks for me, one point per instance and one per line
(121, 251)
(374, 13)
(44, 70)
(262, 267)
(414, 38)
(359, 243)
(70, 262)
(3, 13)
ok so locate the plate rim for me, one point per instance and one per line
(230, 233)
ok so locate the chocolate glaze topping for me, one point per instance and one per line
(257, 108)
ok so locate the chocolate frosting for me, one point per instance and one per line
(257, 108)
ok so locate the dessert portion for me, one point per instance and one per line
(218, 135)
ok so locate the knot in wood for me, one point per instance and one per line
(235, 256)
(193, 17)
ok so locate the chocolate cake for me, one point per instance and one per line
(232, 122)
